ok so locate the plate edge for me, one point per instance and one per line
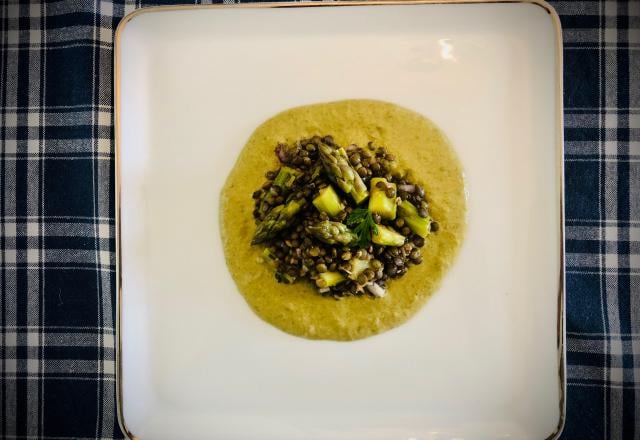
(561, 335)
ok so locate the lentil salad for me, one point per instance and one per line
(348, 220)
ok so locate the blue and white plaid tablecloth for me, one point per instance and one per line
(57, 277)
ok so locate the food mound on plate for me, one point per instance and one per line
(339, 220)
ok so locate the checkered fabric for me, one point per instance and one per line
(57, 274)
(602, 166)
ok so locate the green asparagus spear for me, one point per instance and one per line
(386, 236)
(278, 219)
(328, 201)
(332, 233)
(337, 165)
(383, 198)
(281, 186)
(419, 225)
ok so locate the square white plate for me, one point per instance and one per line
(482, 360)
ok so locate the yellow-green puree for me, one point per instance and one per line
(297, 308)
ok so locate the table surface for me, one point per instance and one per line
(57, 259)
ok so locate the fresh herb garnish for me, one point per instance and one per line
(363, 225)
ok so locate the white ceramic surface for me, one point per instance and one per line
(479, 361)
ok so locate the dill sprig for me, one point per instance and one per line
(363, 226)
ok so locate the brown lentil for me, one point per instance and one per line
(321, 267)
(419, 241)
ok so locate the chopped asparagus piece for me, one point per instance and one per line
(419, 225)
(380, 202)
(278, 219)
(286, 176)
(281, 186)
(386, 236)
(267, 256)
(331, 278)
(332, 233)
(357, 267)
(328, 201)
(336, 163)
